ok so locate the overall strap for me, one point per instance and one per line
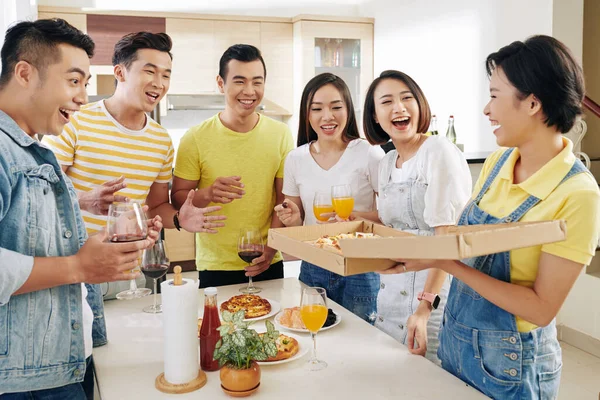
(493, 174)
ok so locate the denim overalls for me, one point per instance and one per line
(480, 342)
(402, 206)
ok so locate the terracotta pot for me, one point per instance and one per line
(240, 380)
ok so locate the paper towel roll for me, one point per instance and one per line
(180, 323)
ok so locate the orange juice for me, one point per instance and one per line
(321, 209)
(313, 316)
(343, 206)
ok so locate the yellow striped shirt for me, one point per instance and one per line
(98, 149)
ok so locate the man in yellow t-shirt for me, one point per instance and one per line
(235, 159)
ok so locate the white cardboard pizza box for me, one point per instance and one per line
(375, 254)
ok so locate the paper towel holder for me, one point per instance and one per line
(166, 387)
(161, 383)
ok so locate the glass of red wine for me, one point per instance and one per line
(250, 246)
(155, 265)
(127, 222)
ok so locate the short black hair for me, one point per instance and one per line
(306, 133)
(36, 42)
(126, 48)
(240, 52)
(373, 131)
(546, 68)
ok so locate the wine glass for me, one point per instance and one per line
(322, 205)
(155, 265)
(343, 202)
(250, 246)
(127, 223)
(313, 311)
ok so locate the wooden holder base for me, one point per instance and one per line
(166, 387)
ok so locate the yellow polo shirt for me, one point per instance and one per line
(211, 150)
(577, 201)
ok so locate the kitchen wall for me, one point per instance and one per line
(443, 46)
(15, 10)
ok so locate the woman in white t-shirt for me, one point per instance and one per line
(330, 152)
(423, 186)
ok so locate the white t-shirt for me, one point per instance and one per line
(88, 320)
(442, 167)
(358, 166)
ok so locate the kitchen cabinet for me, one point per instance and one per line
(181, 245)
(194, 54)
(344, 48)
(276, 40)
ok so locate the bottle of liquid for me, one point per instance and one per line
(433, 126)
(451, 133)
(209, 335)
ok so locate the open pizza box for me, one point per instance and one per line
(374, 254)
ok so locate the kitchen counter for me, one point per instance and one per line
(363, 362)
(477, 157)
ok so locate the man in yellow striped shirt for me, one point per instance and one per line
(113, 151)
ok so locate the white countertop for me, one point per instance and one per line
(363, 362)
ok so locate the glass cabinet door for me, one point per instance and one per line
(342, 58)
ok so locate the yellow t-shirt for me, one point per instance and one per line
(211, 150)
(577, 201)
(97, 149)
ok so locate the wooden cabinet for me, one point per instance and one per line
(181, 245)
(276, 40)
(194, 53)
(79, 21)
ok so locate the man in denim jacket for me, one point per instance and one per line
(45, 320)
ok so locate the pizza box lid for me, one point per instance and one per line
(375, 254)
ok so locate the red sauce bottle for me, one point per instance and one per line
(209, 335)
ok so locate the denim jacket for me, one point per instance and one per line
(41, 333)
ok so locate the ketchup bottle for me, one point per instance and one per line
(209, 335)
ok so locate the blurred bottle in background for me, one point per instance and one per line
(451, 133)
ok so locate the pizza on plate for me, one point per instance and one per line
(286, 347)
(253, 305)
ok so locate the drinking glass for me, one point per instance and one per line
(155, 265)
(322, 205)
(250, 246)
(313, 311)
(343, 202)
(127, 222)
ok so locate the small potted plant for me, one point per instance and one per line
(238, 350)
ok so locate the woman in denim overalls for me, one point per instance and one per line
(537, 90)
(424, 183)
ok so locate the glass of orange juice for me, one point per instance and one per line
(313, 311)
(343, 202)
(321, 205)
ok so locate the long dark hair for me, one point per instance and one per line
(306, 133)
(373, 131)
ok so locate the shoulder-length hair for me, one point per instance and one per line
(373, 131)
(306, 133)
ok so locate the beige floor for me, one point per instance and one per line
(580, 376)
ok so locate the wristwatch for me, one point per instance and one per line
(176, 221)
(434, 299)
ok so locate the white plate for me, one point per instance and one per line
(275, 307)
(304, 344)
(278, 325)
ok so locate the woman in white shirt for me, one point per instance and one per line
(423, 186)
(330, 152)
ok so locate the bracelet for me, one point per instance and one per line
(176, 221)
